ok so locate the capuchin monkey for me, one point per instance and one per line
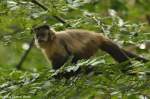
(81, 44)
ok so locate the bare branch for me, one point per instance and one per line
(58, 18)
(18, 66)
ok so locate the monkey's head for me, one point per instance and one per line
(43, 34)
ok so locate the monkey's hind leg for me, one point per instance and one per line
(58, 61)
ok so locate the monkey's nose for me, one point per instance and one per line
(40, 41)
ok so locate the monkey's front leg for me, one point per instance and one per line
(75, 59)
(58, 61)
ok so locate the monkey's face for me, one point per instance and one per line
(42, 34)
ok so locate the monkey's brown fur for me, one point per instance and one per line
(81, 44)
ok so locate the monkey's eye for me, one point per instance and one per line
(41, 35)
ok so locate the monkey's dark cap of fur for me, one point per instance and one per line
(35, 28)
(45, 26)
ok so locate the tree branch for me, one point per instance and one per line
(58, 18)
(18, 66)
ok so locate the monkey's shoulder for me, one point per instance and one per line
(78, 34)
(75, 31)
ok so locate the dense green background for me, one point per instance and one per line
(127, 22)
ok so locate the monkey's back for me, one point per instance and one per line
(81, 42)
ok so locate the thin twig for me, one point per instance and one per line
(58, 18)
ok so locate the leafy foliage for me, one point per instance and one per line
(125, 22)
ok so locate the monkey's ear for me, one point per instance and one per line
(52, 36)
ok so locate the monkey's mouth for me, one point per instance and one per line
(41, 41)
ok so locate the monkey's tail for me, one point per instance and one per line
(115, 51)
(136, 57)
(120, 55)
